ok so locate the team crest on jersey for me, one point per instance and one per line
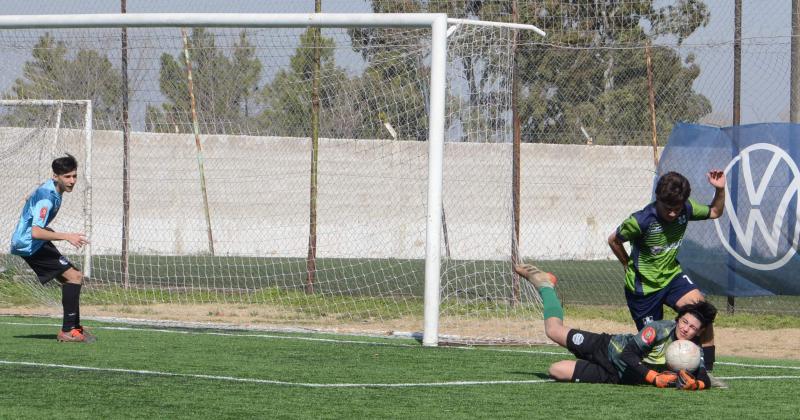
(682, 219)
(577, 339)
(648, 335)
(655, 228)
(63, 260)
(43, 213)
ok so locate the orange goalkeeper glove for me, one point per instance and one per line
(688, 382)
(664, 379)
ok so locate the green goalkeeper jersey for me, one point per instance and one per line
(646, 350)
(654, 246)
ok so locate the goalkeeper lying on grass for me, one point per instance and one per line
(628, 359)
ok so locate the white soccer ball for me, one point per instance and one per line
(683, 354)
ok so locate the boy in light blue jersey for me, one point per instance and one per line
(32, 240)
(653, 275)
(625, 359)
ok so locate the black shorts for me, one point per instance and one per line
(48, 263)
(648, 308)
(593, 365)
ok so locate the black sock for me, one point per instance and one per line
(70, 296)
(709, 357)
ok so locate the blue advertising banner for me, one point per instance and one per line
(752, 250)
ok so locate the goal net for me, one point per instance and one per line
(255, 186)
(32, 134)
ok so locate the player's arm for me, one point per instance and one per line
(628, 230)
(717, 179)
(635, 351)
(41, 232)
(76, 239)
(615, 243)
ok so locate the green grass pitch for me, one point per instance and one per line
(140, 372)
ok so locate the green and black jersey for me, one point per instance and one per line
(654, 246)
(635, 354)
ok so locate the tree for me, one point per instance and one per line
(53, 75)
(591, 73)
(588, 73)
(287, 99)
(395, 83)
(224, 87)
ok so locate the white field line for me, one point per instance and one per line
(369, 343)
(270, 336)
(728, 378)
(270, 381)
(281, 337)
(758, 366)
(318, 385)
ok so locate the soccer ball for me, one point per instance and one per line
(683, 354)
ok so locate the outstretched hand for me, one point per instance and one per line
(77, 239)
(687, 382)
(665, 379)
(716, 178)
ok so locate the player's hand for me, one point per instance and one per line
(688, 382)
(77, 239)
(716, 178)
(664, 379)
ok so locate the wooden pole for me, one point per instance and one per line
(198, 145)
(794, 99)
(737, 117)
(126, 181)
(311, 260)
(515, 170)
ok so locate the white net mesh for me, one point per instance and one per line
(245, 144)
(32, 134)
(586, 157)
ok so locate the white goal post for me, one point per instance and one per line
(436, 123)
(85, 161)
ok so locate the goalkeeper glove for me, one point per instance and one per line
(664, 379)
(688, 382)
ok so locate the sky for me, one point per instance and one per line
(766, 31)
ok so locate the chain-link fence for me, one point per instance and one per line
(217, 200)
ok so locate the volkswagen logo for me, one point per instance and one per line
(776, 245)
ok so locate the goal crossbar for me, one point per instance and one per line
(220, 20)
(437, 22)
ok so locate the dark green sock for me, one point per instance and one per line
(552, 306)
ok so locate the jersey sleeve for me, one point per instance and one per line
(636, 349)
(697, 211)
(629, 229)
(41, 210)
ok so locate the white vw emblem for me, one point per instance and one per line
(769, 258)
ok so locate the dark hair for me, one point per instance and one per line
(64, 164)
(673, 189)
(704, 311)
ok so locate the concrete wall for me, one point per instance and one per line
(372, 195)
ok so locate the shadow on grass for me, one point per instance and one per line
(37, 336)
(539, 375)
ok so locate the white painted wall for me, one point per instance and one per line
(371, 195)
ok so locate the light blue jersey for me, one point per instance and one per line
(39, 210)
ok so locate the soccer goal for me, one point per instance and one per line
(347, 172)
(33, 132)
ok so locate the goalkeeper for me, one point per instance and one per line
(32, 241)
(653, 275)
(627, 359)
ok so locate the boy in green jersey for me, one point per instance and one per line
(653, 275)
